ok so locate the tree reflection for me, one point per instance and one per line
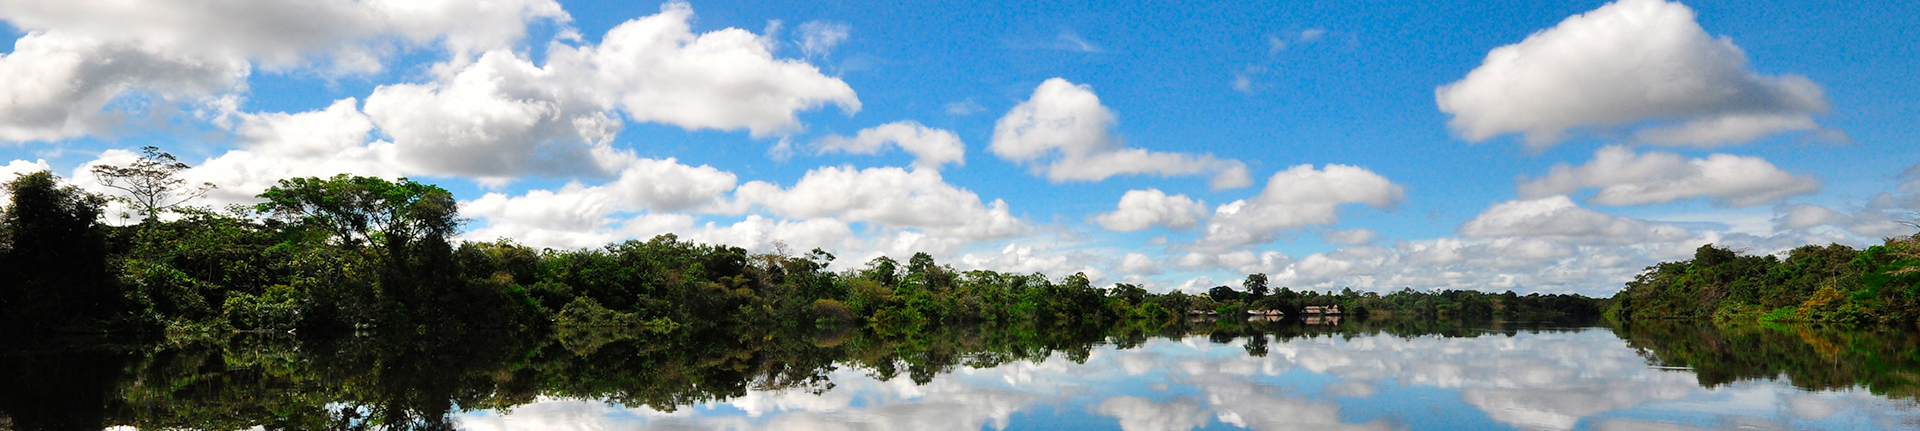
(404, 381)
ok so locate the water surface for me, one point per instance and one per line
(1207, 375)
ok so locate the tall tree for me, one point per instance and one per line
(1255, 286)
(53, 268)
(405, 226)
(360, 211)
(152, 183)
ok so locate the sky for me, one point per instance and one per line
(1554, 148)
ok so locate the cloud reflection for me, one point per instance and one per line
(1530, 381)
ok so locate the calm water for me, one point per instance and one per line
(1266, 376)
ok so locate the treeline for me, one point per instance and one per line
(1255, 295)
(1835, 284)
(360, 252)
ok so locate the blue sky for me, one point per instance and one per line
(1484, 145)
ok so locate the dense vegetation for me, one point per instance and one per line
(1835, 284)
(359, 252)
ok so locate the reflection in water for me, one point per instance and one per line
(1220, 375)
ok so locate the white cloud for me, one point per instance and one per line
(1019, 258)
(502, 116)
(1656, 177)
(886, 196)
(499, 117)
(278, 146)
(1557, 217)
(759, 234)
(1140, 264)
(22, 167)
(1628, 63)
(1298, 197)
(282, 33)
(931, 147)
(657, 70)
(1711, 132)
(1141, 209)
(817, 38)
(78, 56)
(577, 215)
(59, 87)
(14, 170)
(1196, 285)
(1064, 131)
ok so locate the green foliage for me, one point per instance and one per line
(359, 210)
(587, 312)
(364, 253)
(54, 274)
(1831, 284)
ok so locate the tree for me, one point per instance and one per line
(1255, 286)
(1222, 294)
(357, 210)
(53, 267)
(407, 225)
(1134, 295)
(151, 183)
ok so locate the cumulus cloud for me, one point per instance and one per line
(1656, 177)
(1141, 209)
(657, 70)
(15, 169)
(887, 196)
(760, 234)
(1029, 258)
(931, 147)
(284, 33)
(1298, 197)
(58, 87)
(1140, 264)
(1559, 218)
(79, 56)
(1642, 64)
(577, 215)
(277, 146)
(22, 167)
(499, 117)
(1064, 132)
(503, 116)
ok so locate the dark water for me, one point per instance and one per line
(1258, 375)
